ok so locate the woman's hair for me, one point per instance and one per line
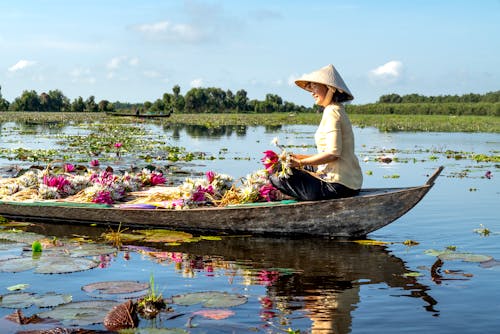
(339, 97)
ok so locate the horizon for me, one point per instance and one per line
(137, 52)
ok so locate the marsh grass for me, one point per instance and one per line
(387, 122)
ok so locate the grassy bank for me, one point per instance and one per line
(437, 123)
(426, 123)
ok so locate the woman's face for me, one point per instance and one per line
(318, 92)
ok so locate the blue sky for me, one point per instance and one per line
(134, 51)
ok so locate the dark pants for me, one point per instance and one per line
(305, 187)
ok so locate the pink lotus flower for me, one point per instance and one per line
(488, 175)
(103, 197)
(118, 145)
(270, 160)
(58, 182)
(68, 168)
(199, 194)
(210, 176)
(268, 192)
(94, 163)
(104, 178)
(157, 178)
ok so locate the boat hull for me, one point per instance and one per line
(345, 218)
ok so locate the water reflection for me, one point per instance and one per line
(322, 277)
(319, 278)
(202, 131)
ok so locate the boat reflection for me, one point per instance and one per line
(320, 276)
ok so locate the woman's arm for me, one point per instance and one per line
(299, 160)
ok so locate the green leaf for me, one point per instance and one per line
(117, 288)
(18, 287)
(210, 299)
(82, 313)
(64, 264)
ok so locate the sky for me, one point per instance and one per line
(135, 51)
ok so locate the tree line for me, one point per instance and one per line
(490, 97)
(196, 100)
(217, 100)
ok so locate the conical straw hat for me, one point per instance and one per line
(329, 76)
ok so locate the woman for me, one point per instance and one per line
(333, 172)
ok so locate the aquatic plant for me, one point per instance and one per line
(151, 304)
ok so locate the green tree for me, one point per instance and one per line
(78, 105)
(4, 104)
(104, 106)
(90, 105)
(58, 101)
(241, 101)
(28, 101)
(178, 102)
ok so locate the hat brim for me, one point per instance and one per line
(327, 76)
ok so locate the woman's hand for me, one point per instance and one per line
(295, 162)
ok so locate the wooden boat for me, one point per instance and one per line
(349, 217)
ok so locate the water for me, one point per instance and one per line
(318, 285)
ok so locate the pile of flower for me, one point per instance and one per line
(65, 183)
(103, 186)
(213, 189)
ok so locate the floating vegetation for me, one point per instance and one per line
(210, 299)
(26, 299)
(82, 313)
(18, 287)
(156, 235)
(483, 231)
(371, 242)
(150, 305)
(451, 254)
(47, 264)
(120, 289)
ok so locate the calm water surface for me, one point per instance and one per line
(320, 285)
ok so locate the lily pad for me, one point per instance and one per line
(21, 236)
(64, 264)
(467, 257)
(81, 313)
(371, 242)
(9, 245)
(17, 300)
(452, 255)
(164, 235)
(117, 288)
(26, 299)
(16, 265)
(91, 250)
(18, 287)
(210, 299)
(52, 299)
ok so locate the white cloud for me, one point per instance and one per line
(390, 72)
(151, 74)
(133, 61)
(114, 63)
(80, 74)
(22, 64)
(166, 30)
(117, 62)
(196, 83)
